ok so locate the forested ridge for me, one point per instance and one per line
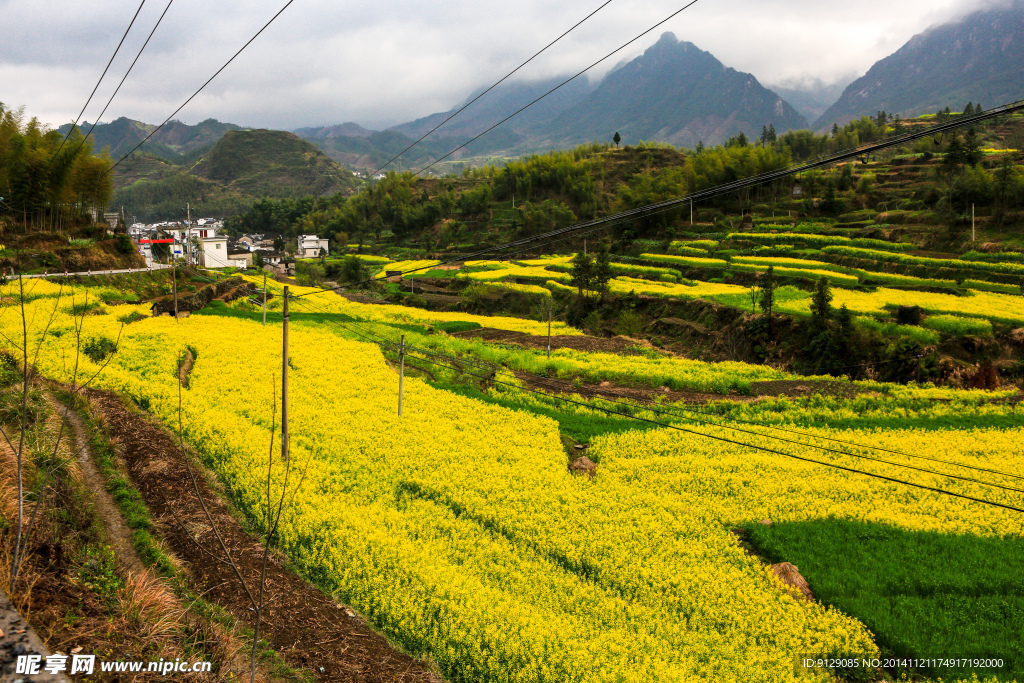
(545, 191)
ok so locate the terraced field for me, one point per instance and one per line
(462, 533)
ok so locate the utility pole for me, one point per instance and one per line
(188, 232)
(550, 304)
(401, 374)
(691, 212)
(264, 298)
(284, 382)
(972, 222)
(174, 282)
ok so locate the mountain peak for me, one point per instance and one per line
(677, 93)
(971, 59)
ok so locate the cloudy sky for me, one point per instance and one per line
(379, 63)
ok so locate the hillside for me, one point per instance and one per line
(975, 59)
(272, 163)
(675, 93)
(500, 103)
(242, 166)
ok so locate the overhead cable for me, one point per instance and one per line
(499, 82)
(193, 95)
(94, 88)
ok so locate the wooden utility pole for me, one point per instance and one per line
(401, 374)
(691, 212)
(264, 298)
(284, 382)
(972, 222)
(549, 329)
(174, 281)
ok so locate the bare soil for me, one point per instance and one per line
(618, 391)
(185, 369)
(796, 388)
(308, 628)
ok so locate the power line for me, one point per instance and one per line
(748, 445)
(725, 188)
(618, 49)
(502, 80)
(193, 95)
(822, 448)
(123, 78)
(111, 61)
(494, 369)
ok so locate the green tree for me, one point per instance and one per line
(972, 153)
(582, 273)
(955, 156)
(602, 270)
(616, 138)
(821, 303)
(353, 269)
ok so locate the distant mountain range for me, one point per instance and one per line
(175, 142)
(674, 92)
(811, 99)
(677, 93)
(979, 58)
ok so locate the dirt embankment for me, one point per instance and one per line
(305, 626)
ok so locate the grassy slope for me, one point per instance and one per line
(923, 594)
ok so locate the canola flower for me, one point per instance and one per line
(784, 271)
(691, 261)
(459, 531)
(328, 302)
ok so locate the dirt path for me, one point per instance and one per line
(305, 626)
(186, 368)
(118, 533)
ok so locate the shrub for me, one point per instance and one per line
(98, 348)
(629, 323)
(132, 317)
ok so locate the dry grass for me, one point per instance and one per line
(790, 577)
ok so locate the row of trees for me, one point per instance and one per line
(41, 175)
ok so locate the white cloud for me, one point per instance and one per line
(379, 63)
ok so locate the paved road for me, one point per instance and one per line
(155, 266)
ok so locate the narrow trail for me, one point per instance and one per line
(185, 369)
(118, 534)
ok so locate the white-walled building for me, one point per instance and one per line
(310, 246)
(213, 252)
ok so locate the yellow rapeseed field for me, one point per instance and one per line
(459, 531)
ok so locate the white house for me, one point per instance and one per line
(240, 259)
(213, 252)
(310, 246)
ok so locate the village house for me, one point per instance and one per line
(240, 259)
(310, 246)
